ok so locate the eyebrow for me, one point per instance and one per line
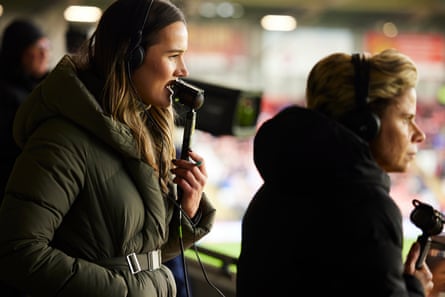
(408, 115)
(176, 51)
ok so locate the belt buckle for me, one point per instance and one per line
(154, 260)
(133, 263)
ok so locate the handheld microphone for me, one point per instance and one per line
(187, 94)
(192, 97)
(431, 222)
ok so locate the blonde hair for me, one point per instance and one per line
(330, 85)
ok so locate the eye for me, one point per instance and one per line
(174, 56)
(411, 119)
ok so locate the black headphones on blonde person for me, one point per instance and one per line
(136, 51)
(362, 120)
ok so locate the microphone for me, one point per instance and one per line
(192, 97)
(430, 221)
(187, 94)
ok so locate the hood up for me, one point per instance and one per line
(302, 145)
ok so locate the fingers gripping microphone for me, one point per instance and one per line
(192, 97)
(430, 221)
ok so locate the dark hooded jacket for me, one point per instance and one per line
(15, 86)
(79, 195)
(323, 219)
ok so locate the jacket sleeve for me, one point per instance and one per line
(191, 231)
(45, 181)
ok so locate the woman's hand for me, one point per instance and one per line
(191, 177)
(423, 274)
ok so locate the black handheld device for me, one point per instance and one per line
(431, 222)
(192, 97)
(187, 94)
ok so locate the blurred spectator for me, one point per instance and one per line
(24, 62)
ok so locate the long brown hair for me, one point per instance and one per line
(106, 55)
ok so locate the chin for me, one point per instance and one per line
(396, 169)
(402, 168)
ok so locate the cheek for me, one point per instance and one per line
(164, 69)
(385, 148)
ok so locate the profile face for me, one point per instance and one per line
(163, 63)
(396, 145)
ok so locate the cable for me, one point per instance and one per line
(188, 131)
(192, 97)
(205, 273)
(182, 214)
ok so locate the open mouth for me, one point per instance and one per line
(170, 88)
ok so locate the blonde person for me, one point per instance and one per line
(324, 215)
(90, 205)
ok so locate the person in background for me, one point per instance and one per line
(24, 62)
(324, 215)
(90, 206)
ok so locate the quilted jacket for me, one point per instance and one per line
(79, 194)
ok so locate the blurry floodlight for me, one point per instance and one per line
(207, 9)
(1, 10)
(238, 10)
(278, 23)
(83, 14)
(225, 9)
(390, 29)
(222, 9)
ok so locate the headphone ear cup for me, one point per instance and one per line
(364, 123)
(136, 58)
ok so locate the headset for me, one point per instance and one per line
(136, 52)
(362, 120)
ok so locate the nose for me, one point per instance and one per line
(419, 136)
(181, 70)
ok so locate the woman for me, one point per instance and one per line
(324, 213)
(90, 207)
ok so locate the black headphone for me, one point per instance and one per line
(136, 52)
(362, 120)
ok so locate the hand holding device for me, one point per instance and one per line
(431, 222)
(192, 97)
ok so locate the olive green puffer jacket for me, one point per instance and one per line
(79, 195)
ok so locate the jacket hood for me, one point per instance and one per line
(63, 94)
(299, 143)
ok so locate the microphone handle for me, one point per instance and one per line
(189, 129)
(425, 244)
